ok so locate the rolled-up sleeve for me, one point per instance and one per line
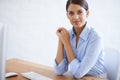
(61, 68)
(93, 50)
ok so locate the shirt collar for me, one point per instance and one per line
(73, 32)
(84, 34)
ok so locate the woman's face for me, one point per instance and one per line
(77, 15)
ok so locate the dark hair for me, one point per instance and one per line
(82, 3)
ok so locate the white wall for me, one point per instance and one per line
(32, 25)
(105, 16)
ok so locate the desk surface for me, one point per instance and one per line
(19, 66)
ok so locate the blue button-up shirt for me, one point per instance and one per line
(89, 58)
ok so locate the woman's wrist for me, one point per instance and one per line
(60, 42)
(67, 43)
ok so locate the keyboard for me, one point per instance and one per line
(34, 76)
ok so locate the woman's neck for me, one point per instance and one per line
(78, 30)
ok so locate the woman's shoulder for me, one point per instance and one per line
(71, 31)
(94, 34)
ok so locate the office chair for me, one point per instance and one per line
(112, 63)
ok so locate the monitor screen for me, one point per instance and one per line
(2, 51)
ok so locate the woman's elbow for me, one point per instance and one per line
(77, 76)
(59, 72)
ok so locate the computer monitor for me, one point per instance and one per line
(2, 51)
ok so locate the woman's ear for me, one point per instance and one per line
(67, 15)
(87, 13)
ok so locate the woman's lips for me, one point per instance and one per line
(76, 22)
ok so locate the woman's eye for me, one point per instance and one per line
(71, 13)
(79, 12)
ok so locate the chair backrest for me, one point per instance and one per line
(112, 63)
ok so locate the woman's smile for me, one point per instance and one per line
(76, 22)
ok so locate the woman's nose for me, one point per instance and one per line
(76, 16)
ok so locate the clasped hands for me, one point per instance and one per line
(63, 35)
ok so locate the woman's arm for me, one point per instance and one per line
(69, 51)
(65, 39)
(61, 63)
(60, 53)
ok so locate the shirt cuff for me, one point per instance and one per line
(60, 68)
(74, 66)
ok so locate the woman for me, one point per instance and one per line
(80, 48)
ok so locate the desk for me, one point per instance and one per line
(19, 66)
